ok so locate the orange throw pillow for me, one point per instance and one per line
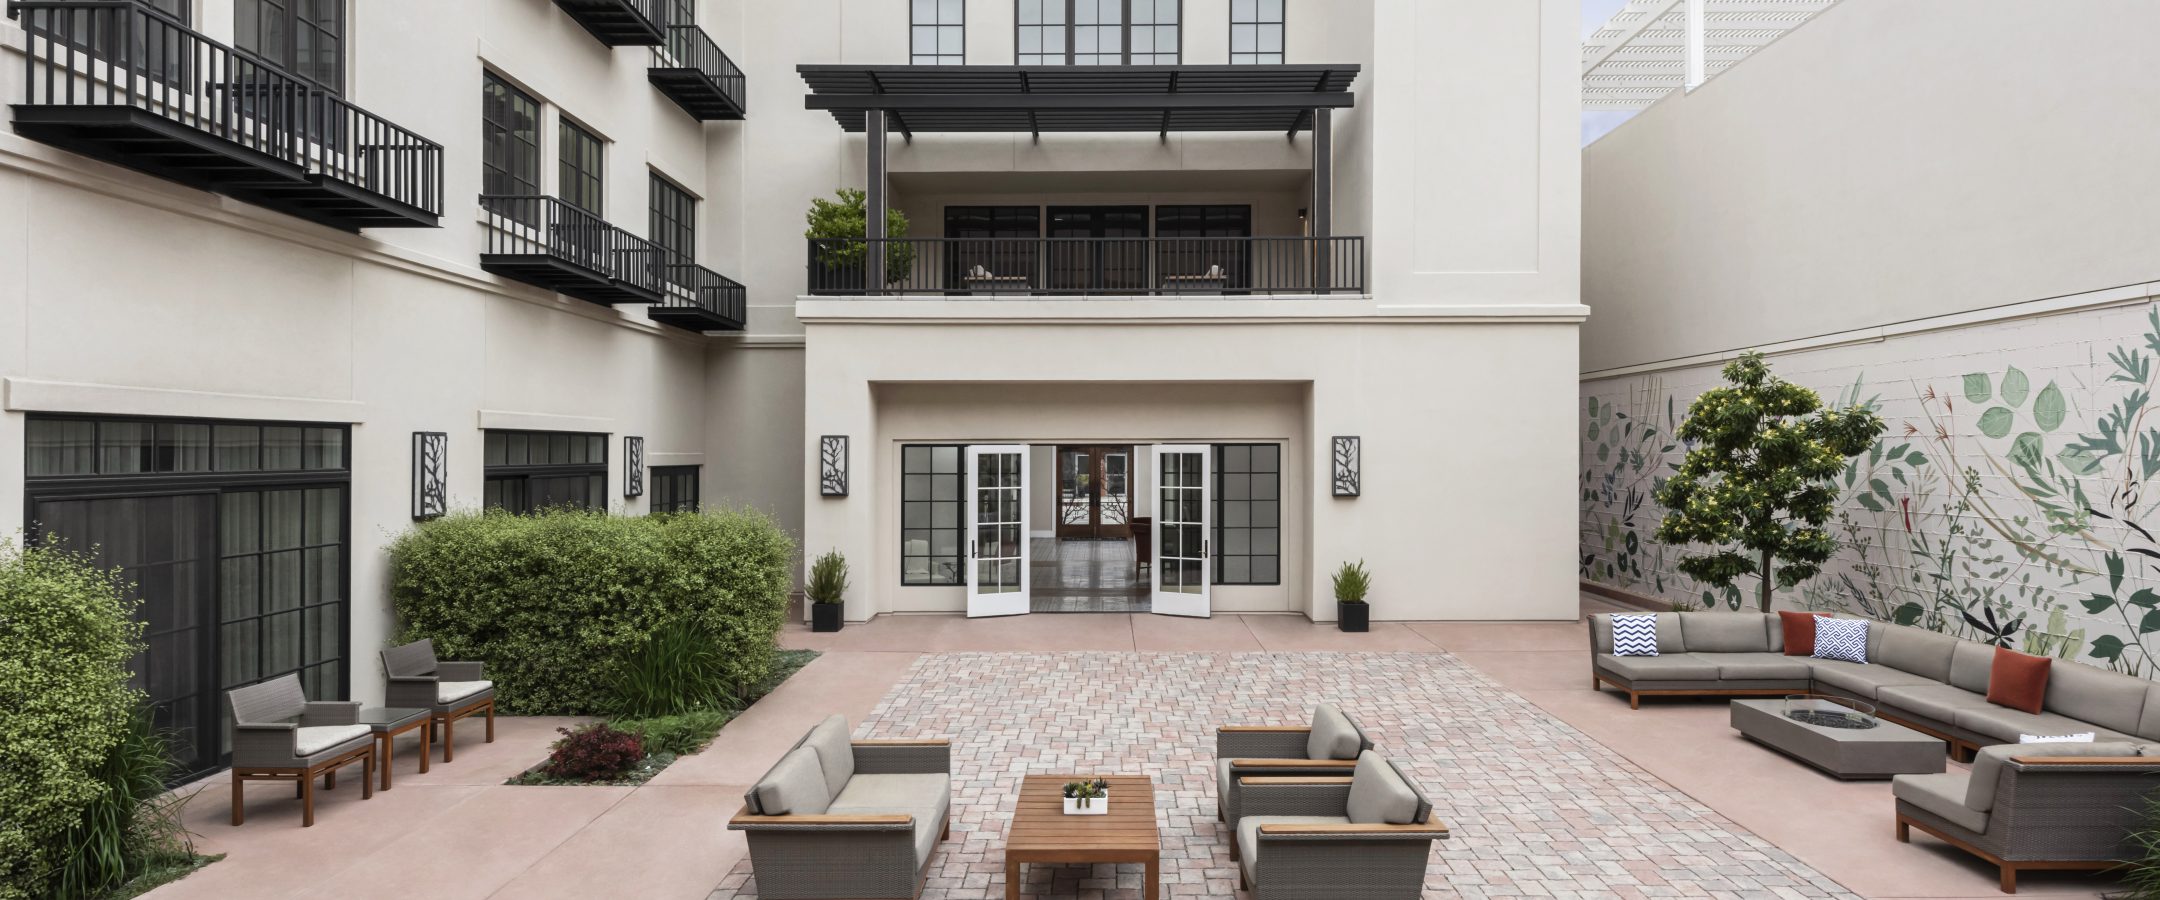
(2018, 680)
(1799, 631)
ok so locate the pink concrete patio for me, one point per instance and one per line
(458, 832)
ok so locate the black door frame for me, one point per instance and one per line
(1100, 257)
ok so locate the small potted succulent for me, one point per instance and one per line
(827, 590)
(1352, 583)
(1087, 798)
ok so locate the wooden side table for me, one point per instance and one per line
(1043, 833)
(387, 725)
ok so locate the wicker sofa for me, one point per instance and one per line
(837, 817)
(2053, 806)
(1329, 746)
(1926, 680)
(1362, 837)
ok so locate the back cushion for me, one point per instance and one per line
(1378, 795)
(1332, 737)
(2149, 723)
(1970, 665)
(1916, 650)
(1724, 632)
(1601, 633)
(836, 755)
(795, 787)
(1669, 638)
(2096, 696)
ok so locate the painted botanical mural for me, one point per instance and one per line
(2005, 503)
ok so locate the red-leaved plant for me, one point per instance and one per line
(593, 753)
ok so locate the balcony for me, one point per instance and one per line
(692, 71)
(545, 242)
(117, 81)
(1161, 266)
(621, 23)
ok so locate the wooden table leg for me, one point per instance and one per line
(449, 741)
(1154, 879)
(1012, 880)
(427, 735)
(389, 756)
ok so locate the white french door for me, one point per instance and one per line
(997, 530)
(1181, 530)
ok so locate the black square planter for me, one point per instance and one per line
(826, 616)
(1353, 616)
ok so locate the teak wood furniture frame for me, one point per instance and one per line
(386, 738)
(304, 778)
(2081, 828)
(1042, 833)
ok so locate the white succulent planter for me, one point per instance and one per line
(1095, 807)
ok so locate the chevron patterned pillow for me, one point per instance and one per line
(1634, 635)
(1844, 639)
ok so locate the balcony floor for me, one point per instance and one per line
(696, 93)
(565, 277)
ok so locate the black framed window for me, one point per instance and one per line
(1154, 36)
(937, 32)
(930, 514)
(1098, 32)
(303, 37)
(1248, 514)
(674, 489)
(673, 223)
(529, 470)
(1040, 36)
(580, 170)
(509, 139)
(1256, 32)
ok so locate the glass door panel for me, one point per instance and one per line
(997, 530)
(1094, 493)
(1181, 530)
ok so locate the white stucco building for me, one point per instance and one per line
(285, 277)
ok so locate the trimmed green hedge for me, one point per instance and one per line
(66, 635)
(555, 601)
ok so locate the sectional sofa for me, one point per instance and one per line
(1925, 680)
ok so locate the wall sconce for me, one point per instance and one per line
(832, 465)
(430, 474)
(1349, 478)
(633, 466)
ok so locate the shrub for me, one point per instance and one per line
(828, 579)
(678, 669)
(66, 636)
(593, 752)
(134, 825)
(849, 218)
(680, 735)
(554, 602)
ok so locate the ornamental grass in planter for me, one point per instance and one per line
(827, 590)
(1352, 583)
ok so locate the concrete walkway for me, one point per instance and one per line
(459, 832)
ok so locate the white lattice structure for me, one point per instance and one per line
(1642, 53)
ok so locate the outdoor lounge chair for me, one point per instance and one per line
(277, 735)
(449, 690)
(1329, 746)
(1365, 837)
(843, 818)
(2035, 806)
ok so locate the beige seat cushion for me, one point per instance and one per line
(1940, 702)
(314, 739)
(453, 691)
(2007, 725)
(1248, 836)
(1942, 794)
(1760, 666)
(1861, 679)
(926, 796)
(1663, 667)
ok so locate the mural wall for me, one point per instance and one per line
(2004, 503)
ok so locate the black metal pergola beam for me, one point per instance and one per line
(1041, 99)
(1047, 102)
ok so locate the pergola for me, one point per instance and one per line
(1052, 99)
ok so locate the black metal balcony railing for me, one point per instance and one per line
(547, 242)
(619, 23)
(118, 80)
(698, 298)
(1106, 266)
(692, 71)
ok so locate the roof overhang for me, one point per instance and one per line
(1038, 99)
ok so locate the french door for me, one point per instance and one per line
(997, 530)
(1181, 530)
(1094, 493)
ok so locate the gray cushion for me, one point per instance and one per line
(1942, 794)
(2149, 723)
(1248, 836)
(931, 790)
(1861, 679)
(1669, 638)
(309, 740)
(1970, 665)
(1940, 702)
(2095, 695)
(796, 786)
(2005, 724)
(1724, 632)
(1761, 666)
(1378, 795)
(1222, 780)
(836, 754)
(1666, 667)
(1915, 650)
(1988, 765)
(1332, 737)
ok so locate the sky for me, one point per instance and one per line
(1596, 123)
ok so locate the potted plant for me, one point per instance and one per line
(827, 589)
(1352, 583)
(837, 258)
(1087, 798)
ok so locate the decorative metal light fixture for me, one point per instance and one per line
(430, 474)
(1349, 478)
(633, 466)
(832, 465)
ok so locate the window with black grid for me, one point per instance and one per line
(1248, 514)
(673, 223)
(930, 514)
(1039, 38)
(579, 175)
(1256, 32)
(529, 470)
(304, 37)
(937, 32)
(674, 489)
(509, 139)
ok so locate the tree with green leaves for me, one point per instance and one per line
(1756, 482)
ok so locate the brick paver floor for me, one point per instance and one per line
(1537, 808)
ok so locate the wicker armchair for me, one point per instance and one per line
(2029, 806)
(843, 818)
(415, 679)
(1365, 837)
(1317, 749)
(278, 735)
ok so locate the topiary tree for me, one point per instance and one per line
(1756, 481)
(67, 634)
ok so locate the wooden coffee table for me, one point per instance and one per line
(1043, 833)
